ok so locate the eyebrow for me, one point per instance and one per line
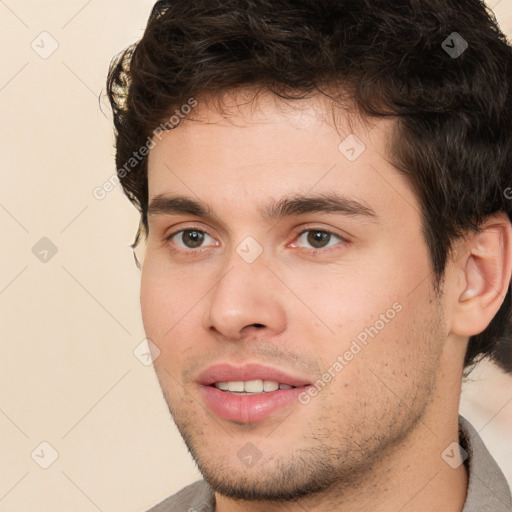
(288, 206)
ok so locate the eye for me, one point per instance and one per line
(189, 238)
(318, 238)
(193, 238)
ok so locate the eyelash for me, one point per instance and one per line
(199, 251)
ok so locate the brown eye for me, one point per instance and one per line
(192, 238)
(318, 239)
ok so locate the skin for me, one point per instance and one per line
(372, 438)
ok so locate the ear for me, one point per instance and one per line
(484, 272)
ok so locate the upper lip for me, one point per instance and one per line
(227, 372)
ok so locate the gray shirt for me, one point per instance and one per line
(488, 490)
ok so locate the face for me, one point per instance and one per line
(276, 257)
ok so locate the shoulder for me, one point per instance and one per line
(196, 497)
(488, 488)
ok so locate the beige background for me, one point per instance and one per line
(69, 325)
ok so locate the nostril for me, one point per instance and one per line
(258, 325)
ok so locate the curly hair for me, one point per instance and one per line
(453, 132)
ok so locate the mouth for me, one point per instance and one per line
(249, 393)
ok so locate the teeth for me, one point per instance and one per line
(270, 385)
(235, 386)
(251, 386)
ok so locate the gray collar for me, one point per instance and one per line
(488, 490)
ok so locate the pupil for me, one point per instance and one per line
(192, 238)
(318, 239)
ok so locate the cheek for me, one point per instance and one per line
(165, 285)
(165, 298)
(346, 298)
(382, 302)
(172, 304)
(164, 317)
(153, 300)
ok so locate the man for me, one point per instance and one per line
(327, 244)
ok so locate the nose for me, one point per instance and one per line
(245, 299)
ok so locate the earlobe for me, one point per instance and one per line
(486, 271)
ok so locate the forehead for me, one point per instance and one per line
(264, 126)
(256, 148)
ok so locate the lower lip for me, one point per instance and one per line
(248, 408)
